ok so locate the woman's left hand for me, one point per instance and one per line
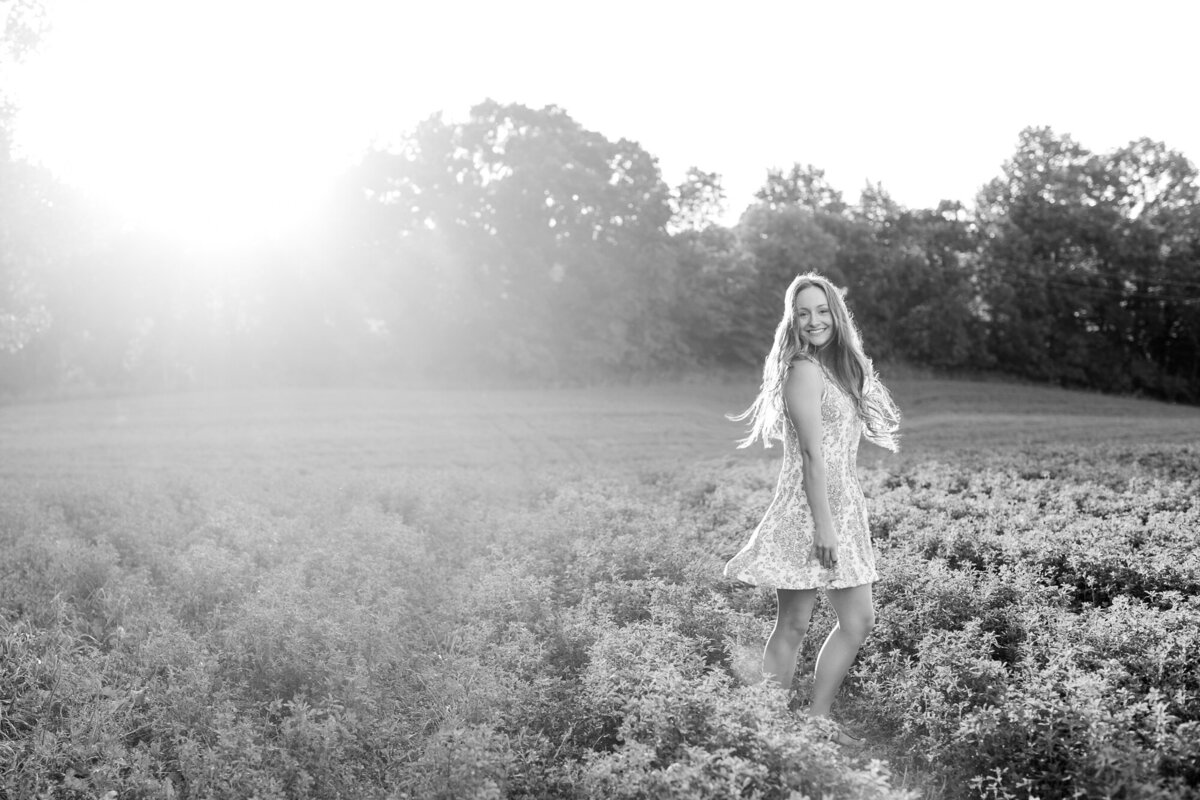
(825, 549)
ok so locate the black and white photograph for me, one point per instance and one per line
(414, 400)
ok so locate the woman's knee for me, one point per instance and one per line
(795, 610)
(793, 626)
(858, 624)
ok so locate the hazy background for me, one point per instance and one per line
(364, 371)
(199, 195)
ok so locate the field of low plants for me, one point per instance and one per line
(396, 595)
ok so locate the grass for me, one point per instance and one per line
(392, 594)
(610, 428)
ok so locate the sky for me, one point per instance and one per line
(222, 119)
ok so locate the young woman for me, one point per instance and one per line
(819, 395)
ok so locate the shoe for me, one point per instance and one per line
(834, 733)
(842, 739)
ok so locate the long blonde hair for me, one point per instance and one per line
(842, 356)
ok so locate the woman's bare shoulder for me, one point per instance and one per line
(804, 376)
(805, 366)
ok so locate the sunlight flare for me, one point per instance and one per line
(213, 123)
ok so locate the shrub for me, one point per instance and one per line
(456, 633)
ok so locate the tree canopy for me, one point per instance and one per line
(516, 243)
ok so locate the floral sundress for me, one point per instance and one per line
(779, 553)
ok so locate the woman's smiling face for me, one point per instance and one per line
(814, 320)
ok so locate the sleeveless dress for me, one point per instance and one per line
(779, 553)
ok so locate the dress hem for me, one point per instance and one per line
(825, 585)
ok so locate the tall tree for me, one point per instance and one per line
(1156, 255)
(802, 185)
(779, 242)
(698, 202)
(1031, 219)
(1090, 265)
(910, 279)
(523, 240)
(23, 312)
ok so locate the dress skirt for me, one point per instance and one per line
(779, 553)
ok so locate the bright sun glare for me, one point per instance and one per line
(217, 123)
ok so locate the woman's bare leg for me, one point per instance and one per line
(856, 616)
(791, 624)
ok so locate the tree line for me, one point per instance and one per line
(517, 244)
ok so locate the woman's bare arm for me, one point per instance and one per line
(802, 396)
